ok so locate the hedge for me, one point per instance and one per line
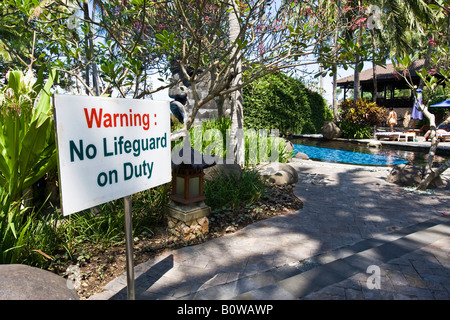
(278, 101)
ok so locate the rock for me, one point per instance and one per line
(288, 146)
(189, 230)
(301, 155)
(279, 173)
(203, 224)
(22, 282)
(221, 169)
(409, 175)
(331, 131)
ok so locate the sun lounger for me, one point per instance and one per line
(380, 135)
(443, 136)
(397, 135)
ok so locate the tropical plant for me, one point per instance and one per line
(357, 117)
(27, 138)
(361, 112)
(435, 73)
(28, 152)
(212, 138)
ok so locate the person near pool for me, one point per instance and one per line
(392, 119)
(443, 128)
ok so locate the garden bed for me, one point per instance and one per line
(99, 266)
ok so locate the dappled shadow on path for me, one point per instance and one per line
(344, 207)
(146, 279)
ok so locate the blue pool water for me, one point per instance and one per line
(351, 157)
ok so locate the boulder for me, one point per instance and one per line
(22, 282)
(288, 146)
(301, 156)
(410, 175)
(331, 131)
(278, 173)
(221, 169)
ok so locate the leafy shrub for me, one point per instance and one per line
(255, 144)
(357, 117)
(355, 131)
(228, 190)
(211, 138)
(278, 101)
(361, 112)
(27, 138)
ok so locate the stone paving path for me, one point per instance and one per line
(352, 219)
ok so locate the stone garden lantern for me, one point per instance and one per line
(187, 212)
(187, 180)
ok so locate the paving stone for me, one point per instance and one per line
(401, 296)
(353, 294)
(375, 294)
(415, 281)
(266, 260)
(299, 286)
(350, 283)
(272, 292)
(440, 294)
(420, 293)
(397, 278)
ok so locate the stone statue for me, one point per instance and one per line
(184, 98)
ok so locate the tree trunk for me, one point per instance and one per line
(336, 35)
(430, 174)
(356, 82)
(237, 115)
(433, 174)
(90, 53)
(434, 141)
(356, 93)
(374, 66)
(335, 100)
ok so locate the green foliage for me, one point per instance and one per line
(357, 118)
(13, 227)
(320, 112)
(28, 152)
(229, 190)
(211, 139)
(257, 146)
(278, 101)
(40, 239)
(355, 131)
(361, 111)
(211, 136)
(27, 138)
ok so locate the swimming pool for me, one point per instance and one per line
(351, 157)
(359, 154)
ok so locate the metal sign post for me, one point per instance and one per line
(129, 248)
